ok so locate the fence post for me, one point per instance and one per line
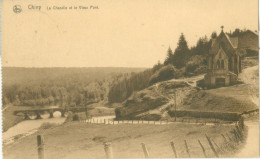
(40, 143)
(225, 139)
(142, 121)
(146, 154)
(173, 149)
(229, 138)
(187, 148)
(211, 146)
(235, 135)
(216, 145)
(241, 122)
(203, 149)
(154, 122)
(239, 133)
(108, 150)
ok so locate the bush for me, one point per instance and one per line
(196, 65)
(47, 125)
(118, 113)
(69, 117)
(165, 73)
(191, 67)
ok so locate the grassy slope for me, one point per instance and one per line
(237, 98)
(9, 119)
(225, 99)
(80, 140)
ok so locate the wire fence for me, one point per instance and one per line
(229, 143)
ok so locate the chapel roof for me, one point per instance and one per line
(234, 41)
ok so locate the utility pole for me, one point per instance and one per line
(175, 103)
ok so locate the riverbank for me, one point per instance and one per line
(26, 128)
(81, 140)
(10, 120)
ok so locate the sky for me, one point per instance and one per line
(121, 33)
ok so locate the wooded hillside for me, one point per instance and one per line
(184, 61)
(49, 86)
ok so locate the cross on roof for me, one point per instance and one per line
(222, 28)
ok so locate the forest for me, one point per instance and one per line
(59, 86)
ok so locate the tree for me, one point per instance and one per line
(169, 57)
(213, 35)
(236, 32)
(51, 100)
(202, 47)
(181, 53)
(157, 66)
(5, 100)
(165, 73)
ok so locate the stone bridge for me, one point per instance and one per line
(38, 112)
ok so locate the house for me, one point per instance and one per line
(225, 55)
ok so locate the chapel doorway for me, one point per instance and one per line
(220, 82)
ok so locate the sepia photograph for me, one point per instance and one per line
(106, 79)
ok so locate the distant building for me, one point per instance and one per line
(224, 60)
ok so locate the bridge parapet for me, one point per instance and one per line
(38, 110)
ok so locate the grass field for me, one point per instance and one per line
(9, 119)
(81, 140)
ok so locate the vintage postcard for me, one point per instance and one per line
(88, 79)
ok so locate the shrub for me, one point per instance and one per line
(191, 67)
(196, 65)
(165, 73)
(117, 112)
(69, 117)
(47, 125)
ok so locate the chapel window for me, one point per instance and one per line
(222, 64)
(218, 64)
